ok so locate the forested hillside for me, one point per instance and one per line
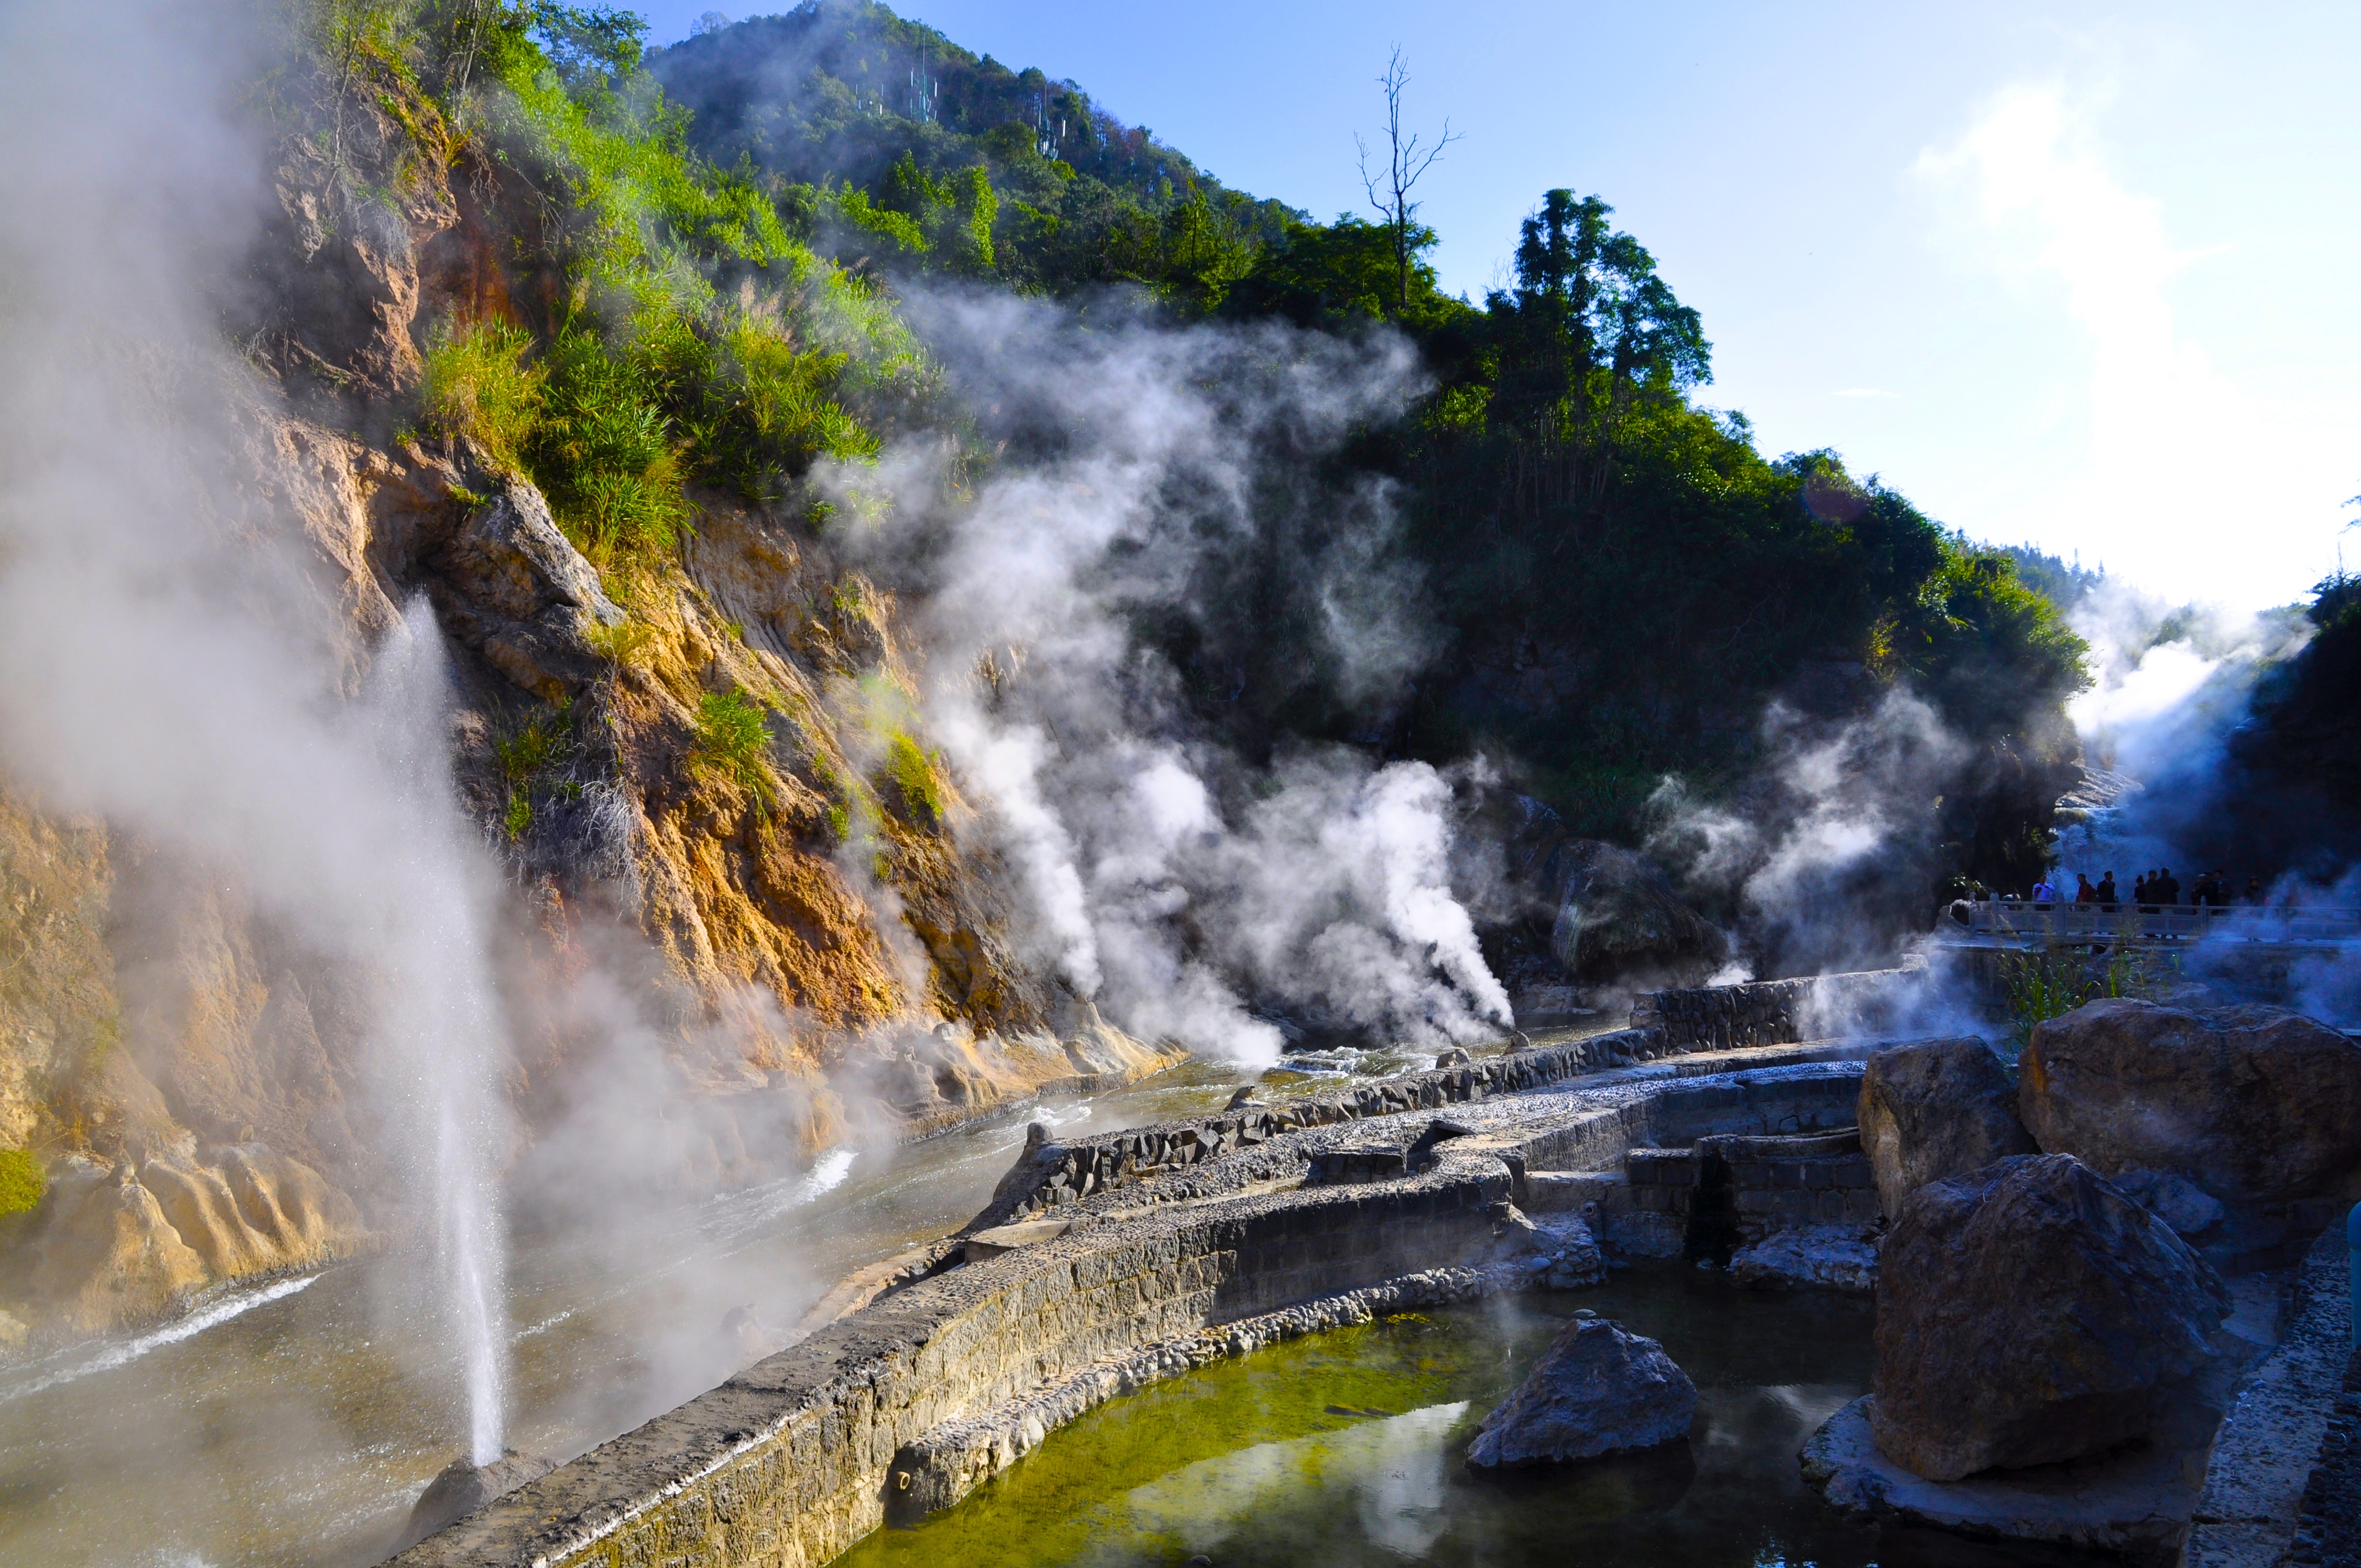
(1617, 580)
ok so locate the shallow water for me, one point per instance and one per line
(292, 1423)
(1342, 1450)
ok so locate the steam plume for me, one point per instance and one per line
(171, 652)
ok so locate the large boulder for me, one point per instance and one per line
(1619, 912)
(1599, 1389)
(1934, 1108)
(2028, 1313)
(2253, 1104)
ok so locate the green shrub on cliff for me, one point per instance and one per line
(22, 1181)
(734, 739)
(913, 772)
(478, 387)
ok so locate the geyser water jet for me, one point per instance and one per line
(441, 1023)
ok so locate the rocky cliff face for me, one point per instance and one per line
(823, 919)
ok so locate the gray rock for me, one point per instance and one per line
(1619, 912)
(1934, 1108)
(1828, 1257)
(2179, 1203)
(2134, 1504)
(1569, 1257)
(2254, 1104)
(2029, 1313)
(510, 583)
(1598, 1389)
(462, 1488)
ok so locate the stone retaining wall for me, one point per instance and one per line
(2280, 1427)
(920, 1395)
(2328, 1520)
(1777, 1012)
(1767, 1188)
(789, 1463)
(1062, 1172)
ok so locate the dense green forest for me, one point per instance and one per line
(1618, 580)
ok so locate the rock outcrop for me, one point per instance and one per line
(2253, 1104)
(1617, 913)
(1934, 1109)
(1827, 1257)
(463, 1488)
(1599, 1389)
(2028, 1313)
(116, 1247)
(765, 936)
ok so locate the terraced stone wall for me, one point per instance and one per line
(788, 1464)
(1058, 1173)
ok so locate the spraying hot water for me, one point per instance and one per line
(442, 1027)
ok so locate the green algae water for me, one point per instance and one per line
(1343, 1449)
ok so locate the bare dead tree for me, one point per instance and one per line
(1407, 158)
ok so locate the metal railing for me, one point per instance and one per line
(2015, 921)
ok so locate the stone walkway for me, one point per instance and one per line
(2246, 1517)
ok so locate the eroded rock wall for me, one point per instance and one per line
(747, 947)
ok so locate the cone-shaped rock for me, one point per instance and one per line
(1599, 1389)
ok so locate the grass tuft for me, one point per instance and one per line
(625, 642)
(734, 739)
(913, 772)
(478, 387)
(22, 1181)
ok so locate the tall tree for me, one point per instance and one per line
(1589, 327)
(1407, 158)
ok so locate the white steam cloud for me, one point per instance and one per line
(170, 653)
(1832, 845)
(1189, 895)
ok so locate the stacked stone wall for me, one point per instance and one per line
(1776, 1012)
(1773, 1184)
(788, 1464)
(2328, 1518)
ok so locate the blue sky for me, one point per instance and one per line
(2068, 274)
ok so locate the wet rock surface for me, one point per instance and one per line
(463, 1488)
(2250, 1104)
(1934, 1109)
(2030, 1313)
(1599, 1389)
(1827, 1257)
(2133, 1503)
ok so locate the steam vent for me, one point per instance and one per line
(769, 799)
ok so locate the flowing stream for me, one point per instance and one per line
(292, 1422)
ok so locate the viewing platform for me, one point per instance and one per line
(2016, 924)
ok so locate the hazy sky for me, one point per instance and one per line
(2067, 274)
